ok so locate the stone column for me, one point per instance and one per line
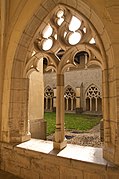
(72, 104)
(54, 100)
(96, 104)
(60, 141)
(46, 104)
(90, 104)
(50, 104)
(36, 104)
(66, 104)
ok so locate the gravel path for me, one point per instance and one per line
(89, 138)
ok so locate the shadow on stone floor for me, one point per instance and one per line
(6, 175)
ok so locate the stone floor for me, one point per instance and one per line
(6, 175)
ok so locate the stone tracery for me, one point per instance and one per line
(48, 98)
(65, 30)
(61, 34)
(108, 63)
(69, 96)
(93, 97)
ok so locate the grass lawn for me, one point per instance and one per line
(80, 122)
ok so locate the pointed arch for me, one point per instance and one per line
(48, 98)
(70, 98)
(93, 99)
(17, 59)
(20, 60)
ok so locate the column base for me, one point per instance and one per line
(59, 145)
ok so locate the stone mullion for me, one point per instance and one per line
(66, 104)
(54, 100)
(96, 105)
(51, 104)
(90, 104)
(46, 103)
(72, 104)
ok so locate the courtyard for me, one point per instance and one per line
(80, 129)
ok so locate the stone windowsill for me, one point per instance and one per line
(76, 152)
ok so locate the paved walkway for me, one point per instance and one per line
(6, 175)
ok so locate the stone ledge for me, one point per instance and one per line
(38, 159)
(76, 152)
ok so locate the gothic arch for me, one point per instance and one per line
(16, 85)
(48, 98)
(70, 98)
(93, 99)
(69, 86)
(24, 50)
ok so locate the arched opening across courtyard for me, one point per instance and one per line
(71, 35)
(17, 130)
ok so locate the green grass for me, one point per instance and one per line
(72, 122)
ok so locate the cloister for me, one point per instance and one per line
(57, 32)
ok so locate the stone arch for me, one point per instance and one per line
(14, 79)
(69, 86)
(70, 98)
(93, 99)
(48, 98)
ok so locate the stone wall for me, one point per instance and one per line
(82, 78)
(36, 103)
(36, 99)
(27, 163)
(76, 78)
